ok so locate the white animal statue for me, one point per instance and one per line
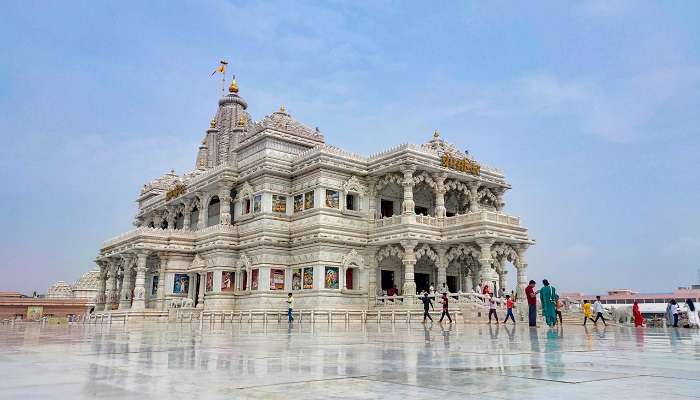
(175, 303)
(189, 303)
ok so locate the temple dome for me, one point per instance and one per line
(281, 121)
(88, 281)
(60, 289)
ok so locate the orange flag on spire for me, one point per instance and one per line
(221, 68)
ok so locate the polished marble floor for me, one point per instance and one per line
(321, 361)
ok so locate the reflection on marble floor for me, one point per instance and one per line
(321, 361)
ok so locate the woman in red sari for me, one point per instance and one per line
(638, 318)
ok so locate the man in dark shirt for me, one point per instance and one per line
(445, 311)
(531, 296)
(427, 303)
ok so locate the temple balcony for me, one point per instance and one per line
(463, 225)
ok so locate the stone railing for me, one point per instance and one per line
(463, 298)
(428, 220)
(464, 219)
(480, 216)
(388, 221)
(157, 232)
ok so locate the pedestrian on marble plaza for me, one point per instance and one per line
(669, 314)
(445, 311)
(290, 307)
(479, 288)
(531, 295)
(501, 292)
(693, 316)
(598, 310)
(509, 309)
(548, 298)
(427, 304)
(492, 308)
(674, 312)
(560, 306)
(444, 288)
(486, 290)
(638, 317)
(432, 288)
(513, 295)
(587, 314)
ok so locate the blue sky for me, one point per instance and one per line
(590, 108)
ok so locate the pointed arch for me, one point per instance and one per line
(425, 250)
(352, 258)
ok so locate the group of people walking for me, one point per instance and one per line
(551, 306)
(673, 311)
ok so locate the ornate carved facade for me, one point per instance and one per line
(270, 208)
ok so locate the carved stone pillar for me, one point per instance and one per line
(440, 191)
(203, 212)
(521, 266)
(409, 265)
(186, 215)
(170, 218)
(485, 262)
(372, 198)
(372, 270)
(499, 200)
(191, 292)
(125, 296)
(200, 298)
(408, 206)
(157, 219)
(161, 279)
(140, 285)
(441, 265)
(225, 210)
(474, 198)
(502, 275)
(111, 284)
(100, 298)
(467, 286)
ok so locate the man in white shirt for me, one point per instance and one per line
(444, 289)
(598, 310)
(674, 312)
(492, 308)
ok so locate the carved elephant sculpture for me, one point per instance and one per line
(189, 303)
(175, 303)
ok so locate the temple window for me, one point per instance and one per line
(179, 221)
(246, 206)
(298, 203)
(332, 199)
(279, 203)
(164, 224)
(213, 211)
(387, 208)
(194, 218)
(352, 202)
(257, 203)
(308, 200)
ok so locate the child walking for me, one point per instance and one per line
(509, 309)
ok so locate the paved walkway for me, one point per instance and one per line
(321, 361)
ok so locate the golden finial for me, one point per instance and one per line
(282, 109)
(241, 120)
(436, 134)
(233, 88)
(212, 123)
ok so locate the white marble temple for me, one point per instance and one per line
(339, 361)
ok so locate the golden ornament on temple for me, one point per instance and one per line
(233, 88)
(282, 109)
(212, 124)
(241, 120)
(436, 134)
